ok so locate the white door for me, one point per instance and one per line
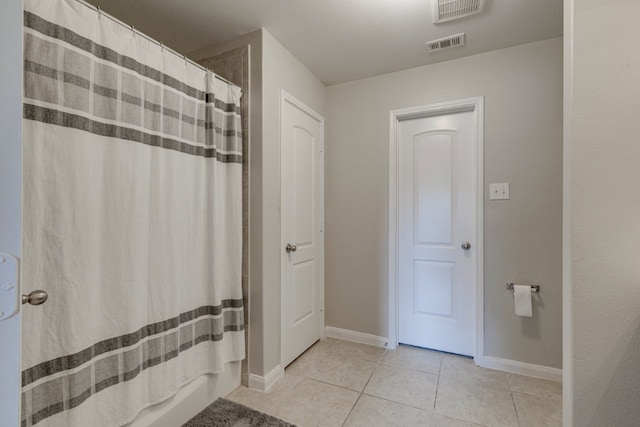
(302, 234)
(437, 211)
(10, 200)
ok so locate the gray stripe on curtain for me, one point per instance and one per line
(75, 88)
(61, 118)
(72, 361)
(59, 32)
(42, 75)
(124, 364)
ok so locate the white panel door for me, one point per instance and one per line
(302, 236)
(10, 197)
(437, 218)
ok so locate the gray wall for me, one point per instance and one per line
(522, 87)
(605, 200)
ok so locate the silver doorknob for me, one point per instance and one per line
(290, 248)
(35, 298)
(466, 246)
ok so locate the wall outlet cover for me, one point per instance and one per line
(499, 191)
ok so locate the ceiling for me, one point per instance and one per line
(341, 40)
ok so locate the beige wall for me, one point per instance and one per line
(273, 69)
(522, 87)
(523, 145)
(604, 213)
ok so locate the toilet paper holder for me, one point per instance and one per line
(534, 288)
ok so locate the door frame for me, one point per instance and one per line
(476, 105)
(286, 97)
(11, 208)
(11, 88)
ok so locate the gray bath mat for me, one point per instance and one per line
(225, 413)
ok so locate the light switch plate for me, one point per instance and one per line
(499, 191)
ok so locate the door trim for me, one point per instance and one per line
(11, 167)
(286, 97)
(567, 161)
(395, 117)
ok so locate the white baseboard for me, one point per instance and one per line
(359, 337)
(507, 365)
(521, 368)
(256, 382)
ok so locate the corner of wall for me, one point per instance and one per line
(567, 320)
(281, 70)
(252, 38)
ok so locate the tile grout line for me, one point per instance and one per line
(515, 408)
(529, 393)
(537, 396)
(351, 411)
(435, 397)
(395, 402)
(286, 393)
(334, 385)
(373, 372)
(363, 388)
(337, 385)
(380, 361)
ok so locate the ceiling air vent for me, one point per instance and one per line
(448, 10)
(446, 43)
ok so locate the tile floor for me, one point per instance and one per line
(340, 383)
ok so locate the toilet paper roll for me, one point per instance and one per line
(522, 299)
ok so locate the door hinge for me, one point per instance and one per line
(321, 226)
(9, 285)
(322, 147)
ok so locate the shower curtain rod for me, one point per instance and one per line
(156, 42)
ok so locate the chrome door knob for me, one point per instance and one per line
(466, 246)
(290, 248)
(35, 298)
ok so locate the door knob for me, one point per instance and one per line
(466, 246)
(290, 248)
(35, 298)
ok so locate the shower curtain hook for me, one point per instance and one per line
(184, 56)
(133, 30)
(99, 12)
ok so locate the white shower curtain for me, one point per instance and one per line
(132, 220)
